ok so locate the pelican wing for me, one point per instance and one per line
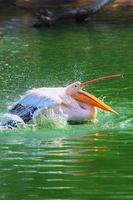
(35, 100)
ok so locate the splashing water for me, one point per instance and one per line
(50, 120)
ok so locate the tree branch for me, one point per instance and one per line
(47, 17)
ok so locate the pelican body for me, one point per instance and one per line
(70, 102)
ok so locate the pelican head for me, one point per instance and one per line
(75, 90)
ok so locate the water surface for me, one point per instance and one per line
(86, 161)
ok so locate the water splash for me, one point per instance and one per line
(50, 120)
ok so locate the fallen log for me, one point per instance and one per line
(46, 17)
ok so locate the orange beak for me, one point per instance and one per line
(91, 99)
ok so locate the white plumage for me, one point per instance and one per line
(70, 102)
(39, 101)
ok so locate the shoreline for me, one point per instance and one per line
(121, 10)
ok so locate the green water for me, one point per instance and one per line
(64, 162)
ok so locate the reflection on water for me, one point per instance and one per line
(74, 167)
(86, 161)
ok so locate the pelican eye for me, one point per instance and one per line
(75, 86)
